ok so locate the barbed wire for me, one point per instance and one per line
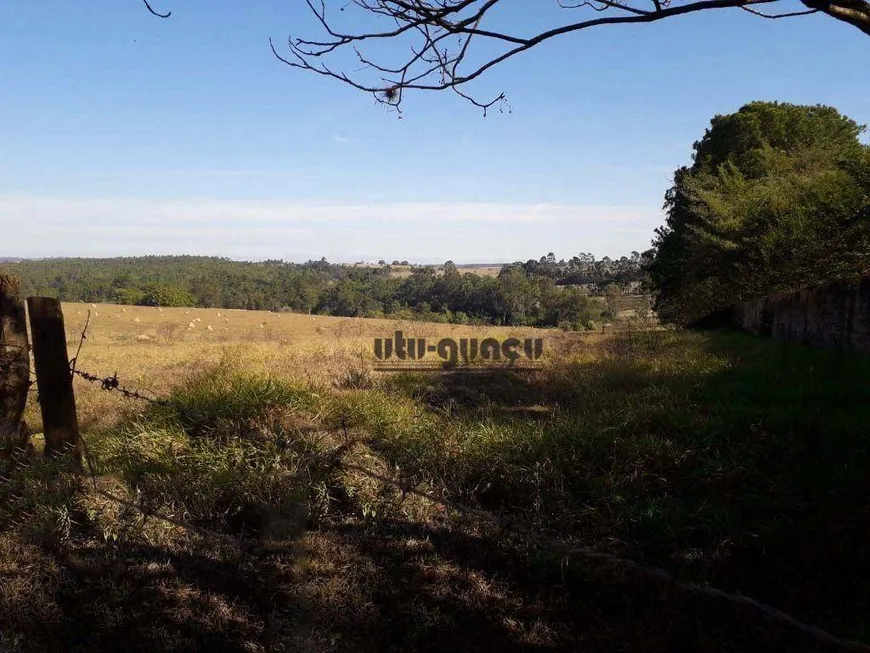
(75, 359)
(334, 461)
(169, 519)
(112, 383)
(640, 567)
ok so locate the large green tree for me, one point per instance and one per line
(776, 198)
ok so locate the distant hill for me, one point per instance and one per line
(6, 259)
(476, 295)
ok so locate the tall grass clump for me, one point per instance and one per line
(40, 498)
(229, 396)
(230, 450)
(682, 444)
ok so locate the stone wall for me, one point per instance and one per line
(835, 314)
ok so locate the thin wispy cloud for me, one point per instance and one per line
(163, 212)
(228, 172)
(301, 230)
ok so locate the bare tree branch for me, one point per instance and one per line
(785, 15)
(431, 25)
(158, 14)
(437, 36)
(854, 12)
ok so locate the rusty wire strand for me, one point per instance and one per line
(112, 383)
(334, 461)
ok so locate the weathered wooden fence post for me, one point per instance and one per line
(56, 399)
(14, 366)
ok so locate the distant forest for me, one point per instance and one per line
(570, 294)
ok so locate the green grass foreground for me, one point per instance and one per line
(723, 458)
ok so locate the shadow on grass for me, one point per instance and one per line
(353, 587)
(723, 458)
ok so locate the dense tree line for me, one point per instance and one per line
(536, 293)
(598, 276)
(777, 198)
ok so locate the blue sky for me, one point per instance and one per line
(124, 134)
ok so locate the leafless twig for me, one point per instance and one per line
(438, 36)
(72, 363)
(156, 13)
(789, 14)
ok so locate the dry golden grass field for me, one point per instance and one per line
(237, 516)
(154, 349)
(405, 271)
